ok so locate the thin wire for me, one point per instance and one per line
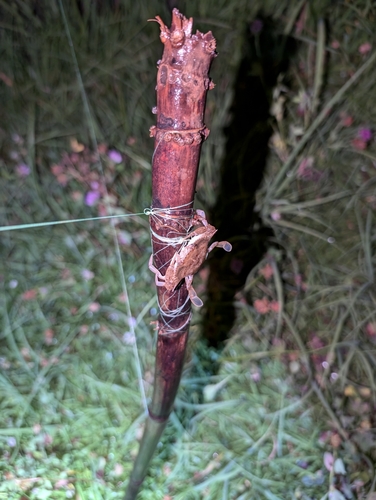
(67, 221)
(167, 211)
(172, 315)
(147, 212)
(168, 316)
(116, 242)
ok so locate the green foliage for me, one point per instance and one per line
(296, 378)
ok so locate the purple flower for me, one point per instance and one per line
(12, 442)
(17, 139)
(129, 338)
(23, 170)
(13, 284)
(328, 460)
(124, 238)
(87, 274)
(115, 156)
(365, 134)
(302, 463)
(91, 198)
(132, 322)
(256, 26)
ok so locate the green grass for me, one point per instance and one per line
(295, 381)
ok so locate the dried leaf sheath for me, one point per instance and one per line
(182, 85)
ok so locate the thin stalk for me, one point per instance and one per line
(182, 85)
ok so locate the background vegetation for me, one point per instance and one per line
(290, 410)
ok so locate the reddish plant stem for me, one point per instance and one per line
(182, 85)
